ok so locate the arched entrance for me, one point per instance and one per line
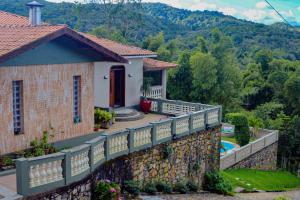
(117, 87)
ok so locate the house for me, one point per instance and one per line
(52, 77)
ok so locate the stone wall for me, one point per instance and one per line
(192, 156)
(48, 103)
(265, 159)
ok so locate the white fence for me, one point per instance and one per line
(155, 92)
(244, 152)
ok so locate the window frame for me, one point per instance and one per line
(18, 107)
(77, 118)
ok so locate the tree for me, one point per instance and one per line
(109, 33)
(292, 94)
(154, 42)
(204, 68)
(228, 72)
(241, 127)
(180, 79)
(264, 57)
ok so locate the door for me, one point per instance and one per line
(117, 87)
(112, 89)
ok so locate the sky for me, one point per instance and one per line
(252, 10)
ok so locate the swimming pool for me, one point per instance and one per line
(227, 145)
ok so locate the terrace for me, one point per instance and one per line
(167, 121)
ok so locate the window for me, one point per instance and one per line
(77, 99)
(18, 107)
(156, 77)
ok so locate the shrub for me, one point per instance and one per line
(41, 147)
(164, 187)
(102, 116)
(106, 190)
(6, 161)
(167, 151)
(214, 182)
(192, 186)
(241, 130)
(150, 188)
(181, 187)
(131, 187)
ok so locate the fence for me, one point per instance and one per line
(155, 92)
(40, 174)
(253, 147)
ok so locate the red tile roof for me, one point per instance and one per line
(12, 19)
(121, 49)
(15, 37)
(151, 64)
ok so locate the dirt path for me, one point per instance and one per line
(295, 195)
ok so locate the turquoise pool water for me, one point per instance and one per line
(227, 145)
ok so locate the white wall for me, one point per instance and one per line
(133, 83)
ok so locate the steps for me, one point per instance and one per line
(126, 114)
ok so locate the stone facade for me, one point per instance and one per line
(265, 159)
(48, 103)
(192, 156)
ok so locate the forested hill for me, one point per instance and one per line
(151, 18)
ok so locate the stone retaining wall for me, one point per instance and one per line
(192, 156)
(259, 154)
(265, 159)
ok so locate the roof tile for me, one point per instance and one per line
(121, 49)
(151, 64)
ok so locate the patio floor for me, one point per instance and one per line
(119, 126)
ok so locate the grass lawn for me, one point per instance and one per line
(232, 139)
(261, 180)
(229, 139)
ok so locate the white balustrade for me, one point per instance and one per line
(213, 117)
(163, 131)
(155, 92)
(98, 152)
(45, 173)
(118, 144)
(182, 126)
(174, 108)
(79, 163)
(142, 137)
(198, 121)
(154, 106)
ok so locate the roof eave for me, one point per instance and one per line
(64, 31)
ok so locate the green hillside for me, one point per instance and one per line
(136, 23)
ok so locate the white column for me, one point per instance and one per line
(164, 83)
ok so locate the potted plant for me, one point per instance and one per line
(6, 163)
(102, 118)
(113, 114)
(145, 104)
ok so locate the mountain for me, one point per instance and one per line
(151, 18)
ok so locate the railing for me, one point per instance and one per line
(155, 92)
(248, 150)
(40, 174)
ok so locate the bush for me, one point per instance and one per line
(150, 188)
(164, 187)
(214, 182)
(106, 190)
(192, 186)
(6, 161)
(241, 130)
(131, 187)
(41, 147)
(167, 151)
(102, 116)
(181, 187)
